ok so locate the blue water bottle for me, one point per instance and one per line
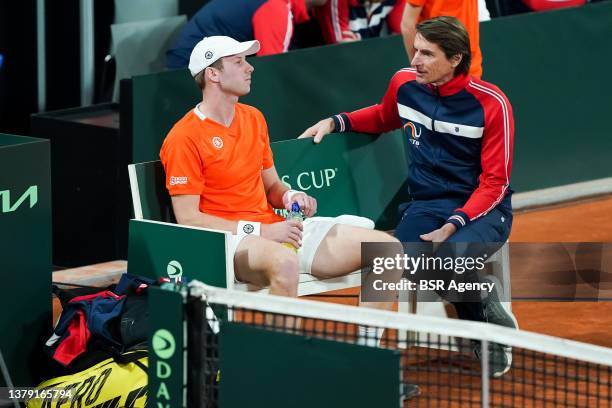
(295, 214)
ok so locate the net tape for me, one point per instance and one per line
(545, 371)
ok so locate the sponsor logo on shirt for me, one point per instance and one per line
(177, 180)
(217, 142)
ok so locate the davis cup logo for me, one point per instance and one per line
(174, 270)
(217, 142)
(163, 344)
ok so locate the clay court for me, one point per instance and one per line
(583, 221)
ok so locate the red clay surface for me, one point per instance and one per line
(587, 221)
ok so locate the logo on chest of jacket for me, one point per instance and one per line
(217, 142)
(414, 131)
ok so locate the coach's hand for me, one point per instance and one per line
(441, 234)
(307, 204)
(289, 231)
(350, 36)
(319, 130)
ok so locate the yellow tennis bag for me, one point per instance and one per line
(112, 383)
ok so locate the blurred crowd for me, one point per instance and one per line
(282, 25)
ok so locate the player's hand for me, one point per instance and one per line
(289, 232)
(307, 204)
(319, 130)
(441, 234)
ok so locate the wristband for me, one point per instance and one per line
(341, 123)
(288, 194)
(248, 228)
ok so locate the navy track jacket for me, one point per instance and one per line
(460, 139)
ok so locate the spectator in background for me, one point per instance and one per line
(352, 20)
(465, 11)
(539, 5)
(268, 21)
(483, 11)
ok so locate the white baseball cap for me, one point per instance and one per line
(210, 49)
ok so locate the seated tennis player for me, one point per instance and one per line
(220, 174)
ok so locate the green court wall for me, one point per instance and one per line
(25, 254)
(551, 65)
(263, 368)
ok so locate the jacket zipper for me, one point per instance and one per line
(433, 127)
(433, 118)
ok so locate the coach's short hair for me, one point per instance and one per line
(451, 36)
(200, 77)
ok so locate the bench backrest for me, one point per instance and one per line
(347, 174)
(158, 249)
(149, 194)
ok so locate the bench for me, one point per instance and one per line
(347, 174)
(339, 173)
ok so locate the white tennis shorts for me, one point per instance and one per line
(315, 230)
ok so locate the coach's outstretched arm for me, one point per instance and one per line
(375, 119)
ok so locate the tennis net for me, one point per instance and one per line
(439, 364)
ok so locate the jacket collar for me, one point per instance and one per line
(451, 87)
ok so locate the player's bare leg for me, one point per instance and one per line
(262, 262)
(340, 254)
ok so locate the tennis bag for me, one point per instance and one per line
(115, 382)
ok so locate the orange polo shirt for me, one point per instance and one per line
(465, 11)
(221, 164)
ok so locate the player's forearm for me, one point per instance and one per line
(275, 194)
(203, 220)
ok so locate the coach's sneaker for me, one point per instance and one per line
(495, 312)
(500, 355)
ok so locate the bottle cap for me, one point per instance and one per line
(295, 207)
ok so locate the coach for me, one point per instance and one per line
(459, 132)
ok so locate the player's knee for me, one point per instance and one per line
(392, 243)
(285, 269)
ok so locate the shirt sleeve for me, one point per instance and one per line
(378, 118)
(183, 165)
(273, 27)
(299, 11)
(496, 161)
(333, 19)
